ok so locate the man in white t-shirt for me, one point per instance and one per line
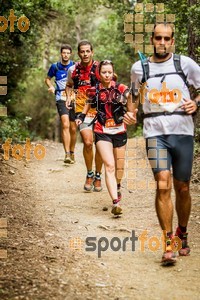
(168, 130)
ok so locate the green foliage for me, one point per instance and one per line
(13, 128)
(112, 45)
(38, 104)
(26, 57)
(135, 131)
(17, 47)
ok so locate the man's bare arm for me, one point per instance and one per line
(191, 106)
(48, 82)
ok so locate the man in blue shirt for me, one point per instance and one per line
(59, 70)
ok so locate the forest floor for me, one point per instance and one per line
(49, 217)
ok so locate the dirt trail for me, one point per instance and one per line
(49, 218)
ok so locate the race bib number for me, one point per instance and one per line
(112, 128)
(63, 96)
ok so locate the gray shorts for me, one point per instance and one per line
(84, 125)
(176, 151)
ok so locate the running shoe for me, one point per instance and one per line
(116, 208)
(72, 158)
(97, 184)
(169, 256)
(67, 159)
(185, 250)
(88, 186)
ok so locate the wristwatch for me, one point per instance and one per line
(197, 103)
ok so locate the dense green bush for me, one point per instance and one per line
(16, 129)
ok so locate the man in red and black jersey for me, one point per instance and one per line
(82, 76)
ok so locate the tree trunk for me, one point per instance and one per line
(193, 43)
(192, 35)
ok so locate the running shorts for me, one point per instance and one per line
(176, 151)
(84, 125)
(63, 110)
(118, 140)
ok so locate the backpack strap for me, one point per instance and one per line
(93, 79)
(56, 70)
(62, 69)
(68, 66)
(179, 70)
(145, 68)
(57, 67)
(163, 113)
(177, 65)
(92, 75)
(76, 75)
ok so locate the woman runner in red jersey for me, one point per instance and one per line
(110, 99)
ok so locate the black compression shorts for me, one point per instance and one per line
(63, 110)
(118, 140)
(173, 150)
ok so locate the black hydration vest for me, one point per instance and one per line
(117, 108)
(177, 65)
(146, 76)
